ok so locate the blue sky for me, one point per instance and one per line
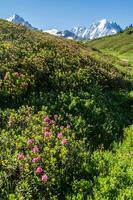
(64, 14)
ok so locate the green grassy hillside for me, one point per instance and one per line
(65, 119)
(120, 45)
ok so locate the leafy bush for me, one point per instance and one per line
(39, 149)
(115, 171)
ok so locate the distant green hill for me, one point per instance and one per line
(120, 45)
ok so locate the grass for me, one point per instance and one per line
(119, 47)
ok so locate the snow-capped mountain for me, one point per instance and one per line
(19, 20)
(66, 34)
(80, 32)
(97, 30)
(52, 31)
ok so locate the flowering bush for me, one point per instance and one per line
(42, 147)
(46, 156)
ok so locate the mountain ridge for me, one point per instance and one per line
(96, 30)
(20, 20)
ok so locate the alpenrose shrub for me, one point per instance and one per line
(16, 84)
(43, 160)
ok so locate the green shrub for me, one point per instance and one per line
(39, 141)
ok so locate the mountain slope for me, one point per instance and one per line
(31, 45)
(120, 45)
(35, 63)
(62, 115)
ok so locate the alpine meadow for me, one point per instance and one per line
(66, 114)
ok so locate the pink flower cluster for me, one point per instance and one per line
(21, 156)
(37, 159)
(44, 177)
(46, 129)
(30, 141)
(59, 135)
(47, 134)
(62, 127)
(35, 149)
(39, 170)
(64, 142)
(47, 120)
(68, 127)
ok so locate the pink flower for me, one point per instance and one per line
(21, 156)
(55, 116)
(35, 149)
(47, 134)
(68, 126)
(47, 119)
(44, 178)
(30, 141)
(61, 127)
(46, 129)
(64, 142)
(39, 170)
(59, 135)
(34, 160)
